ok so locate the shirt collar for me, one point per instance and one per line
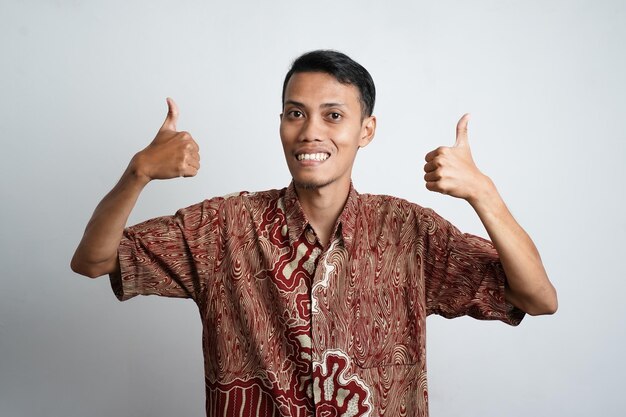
(346, 222)
(297, 221)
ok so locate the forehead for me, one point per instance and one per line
(316, 88)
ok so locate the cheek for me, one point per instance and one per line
(285, 142)
(287, 132)
(349, 139)
(281, 131)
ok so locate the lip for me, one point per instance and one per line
(311, 151)
(311, 162)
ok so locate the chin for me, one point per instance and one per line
(311, 185)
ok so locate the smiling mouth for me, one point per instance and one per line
(312, 156)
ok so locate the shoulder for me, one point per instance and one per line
(385, 204)
(236, 199)
(384, 209)
(238, 205)
(252, 200)
(235, 203)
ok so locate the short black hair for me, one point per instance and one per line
(340, 66)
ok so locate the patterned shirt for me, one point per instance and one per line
(292, 328)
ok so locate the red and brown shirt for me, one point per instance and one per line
(291, 328)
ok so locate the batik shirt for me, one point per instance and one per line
(293, 328)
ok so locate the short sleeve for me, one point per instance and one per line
(463, 274)
(171, 256)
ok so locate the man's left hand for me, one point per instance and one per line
(452, 171)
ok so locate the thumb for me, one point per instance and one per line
(172, 116)
(461, 132)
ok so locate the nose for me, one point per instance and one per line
(312, 130)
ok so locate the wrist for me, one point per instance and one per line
(136, 173)
(485, 196)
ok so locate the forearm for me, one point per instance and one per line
(96, 254)
(171, 154)
(528, 286)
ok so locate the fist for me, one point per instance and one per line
(171, 154)
(452, 171)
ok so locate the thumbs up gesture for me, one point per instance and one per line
(452, 171)
(171, 154)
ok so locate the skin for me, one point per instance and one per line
(171, 154)
(321, 115)
(452, 171)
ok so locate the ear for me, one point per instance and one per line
(368, 130)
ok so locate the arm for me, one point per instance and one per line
(171, 154)
(452, 171)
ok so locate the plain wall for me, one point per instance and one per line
(83, 87)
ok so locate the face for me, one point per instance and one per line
(321, 129)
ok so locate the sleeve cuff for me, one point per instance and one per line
(125, 283)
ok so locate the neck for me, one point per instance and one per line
(322, 207)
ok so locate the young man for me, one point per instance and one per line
(314, 298)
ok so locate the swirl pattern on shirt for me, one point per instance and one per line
(291, 328)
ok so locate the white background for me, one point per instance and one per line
(83, 87)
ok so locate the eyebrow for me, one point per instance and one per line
(325, 105)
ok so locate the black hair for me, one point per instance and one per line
(343, 68)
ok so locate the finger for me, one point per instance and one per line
(195, 156)
(442, 150)
(190, 172)
(431, 155)
(430, 166)
(432, 176)
(461, 131)
(432, 186)
(172, 116)
(187, 142)
(437, 187)
(194, 163)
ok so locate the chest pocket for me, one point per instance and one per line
(385, 325)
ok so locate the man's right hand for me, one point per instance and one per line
(171, 154)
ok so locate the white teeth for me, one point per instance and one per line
(312, 156)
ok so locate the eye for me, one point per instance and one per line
(335, 116)
(295, 114)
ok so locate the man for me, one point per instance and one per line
(313, 298)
